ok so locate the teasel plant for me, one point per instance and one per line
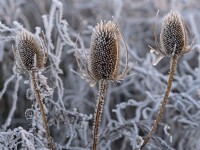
(173, 44)
(103, 65)
(31, 57)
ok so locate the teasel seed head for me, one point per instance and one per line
(28, 48)
(105, 51)
(174, 43)
(173, 36)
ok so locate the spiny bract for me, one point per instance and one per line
(104, 51)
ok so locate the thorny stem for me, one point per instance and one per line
(98, 112)
(51, 146)
(165, 99)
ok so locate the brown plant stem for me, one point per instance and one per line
(165, 99)
(103, 86)
(51, 146)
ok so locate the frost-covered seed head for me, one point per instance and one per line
(104, 51)
(29, 50)
(173, 36)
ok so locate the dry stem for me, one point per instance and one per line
(98, 112)
(39, 100)
(165, 99)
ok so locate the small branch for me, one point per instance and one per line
(5, 86)
(165, 99)
(98, 112)
(14, 105)
(39, 100)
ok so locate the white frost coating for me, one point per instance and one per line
(139, 142)
(170, 139)
(26, 82)
(145, 88)
(167, 129)
(158, 60)
(167, 132)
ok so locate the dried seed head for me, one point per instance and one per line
(173, 36)
(104, 51)
(29, 51)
